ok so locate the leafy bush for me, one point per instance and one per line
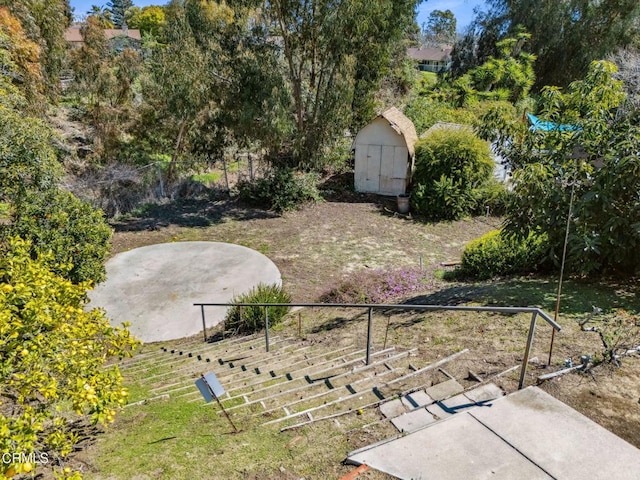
(425, 112)
(497, 254)
(492, 196)
(451, 166)
(77, 235)
(53, 352)
(251, 319)
(281, 190)
(377, 286)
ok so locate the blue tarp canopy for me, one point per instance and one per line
(546, 126)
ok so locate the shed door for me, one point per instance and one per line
(372, 180)
(393, 172)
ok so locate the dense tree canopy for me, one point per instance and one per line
(118, 9)
(149, 19)
(44, 22)
(440, 27)
(565, 35)
(336, 54)
(588, 152)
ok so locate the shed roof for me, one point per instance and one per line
(401, 124)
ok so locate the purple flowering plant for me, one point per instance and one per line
(378, 286)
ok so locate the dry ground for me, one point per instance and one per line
(319, 245)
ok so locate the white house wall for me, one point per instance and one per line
(381, 160)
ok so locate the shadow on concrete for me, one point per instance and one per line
(187, 213)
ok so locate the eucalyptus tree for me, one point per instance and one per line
(336, 53)
(566, 35)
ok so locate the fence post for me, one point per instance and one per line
(204, 325)
(369, 325)
(266, 327)
(525, 359)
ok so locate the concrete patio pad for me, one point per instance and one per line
(528, 434)
(154, 288)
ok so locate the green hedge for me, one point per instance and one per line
(251, 319)
(451, 166)
(496, 254)
(281, 190)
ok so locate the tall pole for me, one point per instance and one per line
(564, 258)
(204, 325)
(266, 327)
(369, 327)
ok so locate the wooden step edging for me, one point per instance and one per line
(399, 379)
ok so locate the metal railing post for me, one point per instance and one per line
(525, 359)
(204, 325)
(369, 325)
(266, 327)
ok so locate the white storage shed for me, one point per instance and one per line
(384, 154)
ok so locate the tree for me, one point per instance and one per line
(75, 235)
(118, 9)
(586, 158)
(44, 22)
(149, 20)
(440, 27)
(53, 356)
(567, 35)
(27, 159)
(102, 14)
(177, 86)
(20, 59)
(336, 53)
(103, 82)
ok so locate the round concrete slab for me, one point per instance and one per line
(154, 288)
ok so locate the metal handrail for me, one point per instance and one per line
(534, 311)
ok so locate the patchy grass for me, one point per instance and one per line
(317, 249)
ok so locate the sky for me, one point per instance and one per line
(462, 9)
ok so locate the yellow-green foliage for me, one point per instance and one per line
(52, 360)
(250, 319)
(496, 254)
(451, 165)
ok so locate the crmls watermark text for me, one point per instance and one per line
(34, 457)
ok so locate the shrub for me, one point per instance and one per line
(281, 190)
(53, 357)
(74, 233)
(492, 196)
(451, 165)
(251, 319)
(497, 254)
(425, 112)
(377, 286)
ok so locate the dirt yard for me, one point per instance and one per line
(317, 247)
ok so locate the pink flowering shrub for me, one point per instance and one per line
(378, 286)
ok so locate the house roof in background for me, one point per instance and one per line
(73, 34)
(116, 32)
(430, 53)
(401, 124)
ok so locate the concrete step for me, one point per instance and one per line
(359, 400)
(427, 412)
